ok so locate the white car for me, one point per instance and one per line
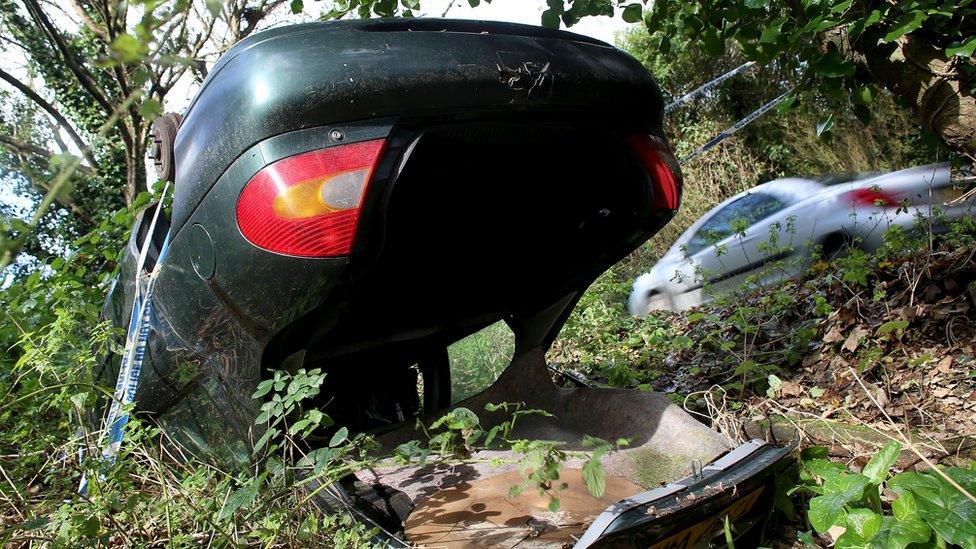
(773, 229)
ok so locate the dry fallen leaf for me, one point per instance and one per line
(854, 338)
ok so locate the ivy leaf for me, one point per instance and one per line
(864, 523)
(827, 510)
(951, 514)
(905, 24)
(867, 530)
(633, 13)
(904, 506)
(895, 534)
(877, 468)
(963, 49)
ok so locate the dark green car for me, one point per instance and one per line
(357, 196)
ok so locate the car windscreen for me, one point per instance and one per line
(734, 217)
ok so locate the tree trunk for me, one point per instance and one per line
(930, 83)
(135, 169)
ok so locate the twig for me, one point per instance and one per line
(908, 443)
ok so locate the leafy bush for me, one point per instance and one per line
(876, 508)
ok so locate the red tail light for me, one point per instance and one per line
(308, 205)
(872, 197)
(662, 167)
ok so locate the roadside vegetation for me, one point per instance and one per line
(869, 359)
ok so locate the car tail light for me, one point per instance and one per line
(872, 197)
(308, 204)
(663, 168)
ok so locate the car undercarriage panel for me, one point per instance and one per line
(649, 490)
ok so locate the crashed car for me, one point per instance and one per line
(357, 196)
(775, 230)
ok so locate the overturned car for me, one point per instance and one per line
(356, 197)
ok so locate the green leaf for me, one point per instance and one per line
(951, 514)
(91, 526)
(863, 522)
(263, 388)
(633, 13)
(756, 4)
(904, 506)
(297, 6)
(712, 41)
(772, 32)
(550, 19)
(828, 509)
(867, 530)
(962, 49)
(862, 96)
(554, 505)
(787, 104)
(905, 24)
(775, 384)
(889, 327)
(895, 534)
(877, 468)
(594, 476)
(128, 48)
(215, 6)
(270, 432)
(825, 125)
(151, 109)
(119, 217)
(833, 65)
(339, 437)
(242, 497)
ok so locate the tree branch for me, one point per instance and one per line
(76, 67)
(88, 21)
(48, 108)
(26, 148)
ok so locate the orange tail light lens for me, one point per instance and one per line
(308, 205)
(663, 168)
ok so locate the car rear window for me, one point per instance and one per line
(734, 217)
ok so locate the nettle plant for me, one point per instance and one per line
(878, 509)
(456, 436)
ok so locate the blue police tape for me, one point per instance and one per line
(736, 127)
(672, 106)
(137, 337)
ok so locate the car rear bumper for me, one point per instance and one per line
(739, 485)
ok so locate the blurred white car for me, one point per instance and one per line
(778, 225)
